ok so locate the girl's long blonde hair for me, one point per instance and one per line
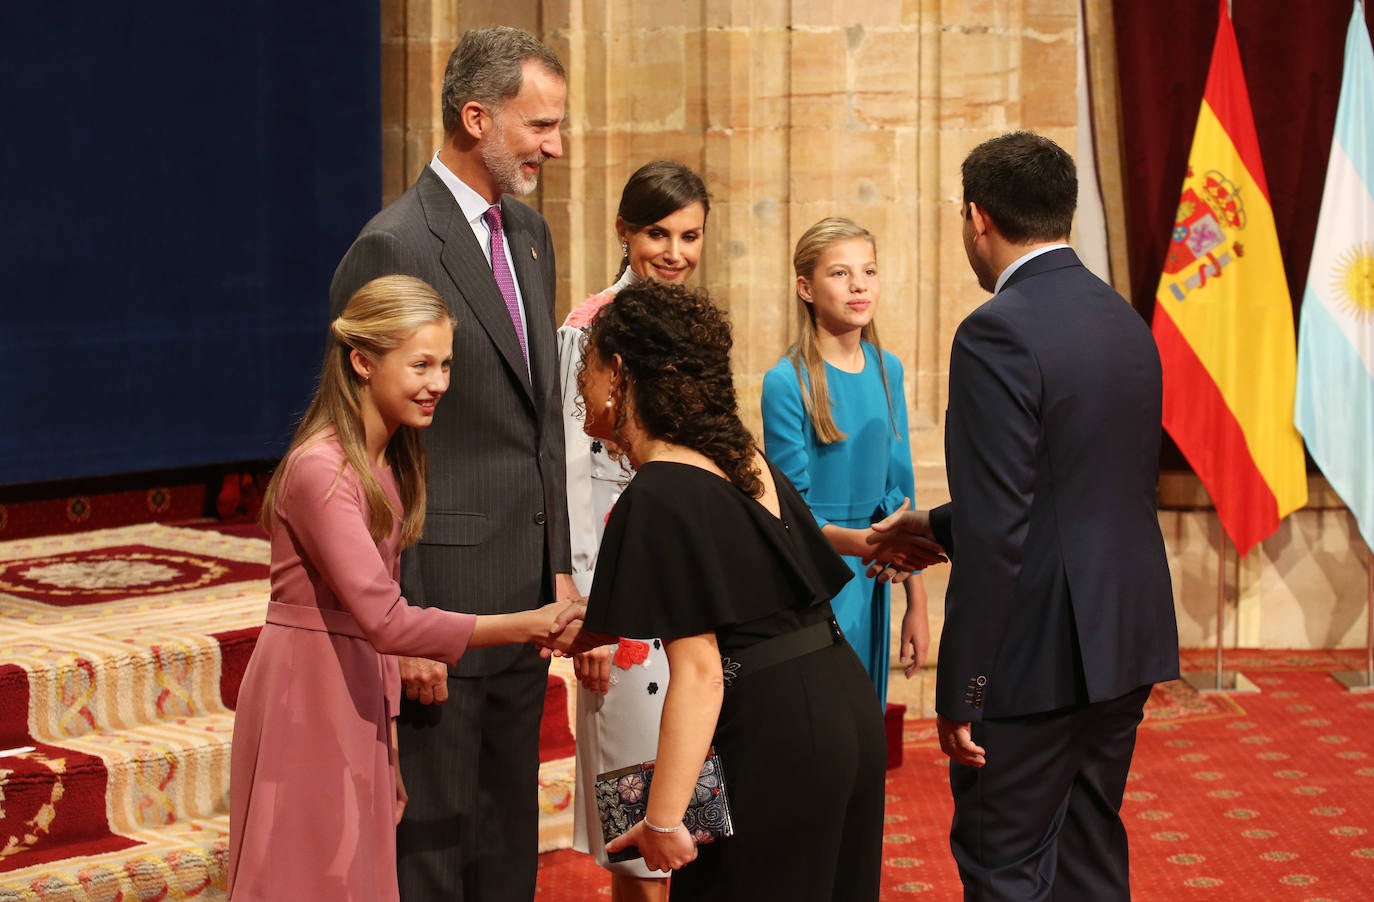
(805, 354)
(378, 318)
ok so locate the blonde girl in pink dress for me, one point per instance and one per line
(315, 793)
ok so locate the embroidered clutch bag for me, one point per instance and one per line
(623, 795)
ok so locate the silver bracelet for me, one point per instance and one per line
(658, 829)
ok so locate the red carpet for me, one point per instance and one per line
(1270, 797)
(1232, 797)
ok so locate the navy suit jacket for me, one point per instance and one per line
(1060, 592)
(496, 522)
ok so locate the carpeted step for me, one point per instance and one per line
(121, 687)
(94, 790)
(52, 805)
(186, 860)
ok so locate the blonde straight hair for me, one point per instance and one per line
(805, 354)
(378, 318)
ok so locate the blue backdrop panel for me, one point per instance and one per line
(180, 180)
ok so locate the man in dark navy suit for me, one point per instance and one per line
(1059, 616)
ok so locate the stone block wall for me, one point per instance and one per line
(791, 111)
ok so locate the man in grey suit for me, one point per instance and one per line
(496, 530)
(1059, 615)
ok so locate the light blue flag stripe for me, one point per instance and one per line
(1334, 409)
(1355, 109)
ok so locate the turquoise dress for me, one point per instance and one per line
(853, 482)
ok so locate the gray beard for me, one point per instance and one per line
(505, 170)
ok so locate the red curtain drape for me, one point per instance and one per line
(1292, 53)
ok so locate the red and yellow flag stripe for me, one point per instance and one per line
(1224, 319)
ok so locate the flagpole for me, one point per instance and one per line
(1355, 680)
(1221, 603)
(1221, 680)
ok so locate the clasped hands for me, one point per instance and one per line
(901, 542)
(566, 637)
(555, 627)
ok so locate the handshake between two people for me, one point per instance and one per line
(555, 627)
(902, 542)
(565, 636)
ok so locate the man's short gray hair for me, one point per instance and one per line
(488, 66)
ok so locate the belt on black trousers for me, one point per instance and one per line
(762, 655)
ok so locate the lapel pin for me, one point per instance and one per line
(534, 255)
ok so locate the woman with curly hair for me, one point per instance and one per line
(661, 224)
(713, 550)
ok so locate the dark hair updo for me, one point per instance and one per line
(674, 346)
(660, 189)
(655, 191)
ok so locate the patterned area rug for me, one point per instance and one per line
(117, 573)
(1234, 798)
(121, 655)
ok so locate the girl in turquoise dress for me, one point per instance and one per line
(835, 423)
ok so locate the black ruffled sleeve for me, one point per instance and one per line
(685, 552)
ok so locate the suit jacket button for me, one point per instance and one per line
(540, 519)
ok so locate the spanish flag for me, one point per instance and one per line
(1224, 320)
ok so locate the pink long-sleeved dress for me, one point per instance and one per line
(312, 785)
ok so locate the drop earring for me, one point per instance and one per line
(610, 401)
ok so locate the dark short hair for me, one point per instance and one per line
(488, 66)
(660, 189)
(1026, 183)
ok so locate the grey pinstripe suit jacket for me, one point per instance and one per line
(496, 528)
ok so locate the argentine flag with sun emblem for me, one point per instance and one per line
(1334, 410)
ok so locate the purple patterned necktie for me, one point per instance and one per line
(504, 280)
